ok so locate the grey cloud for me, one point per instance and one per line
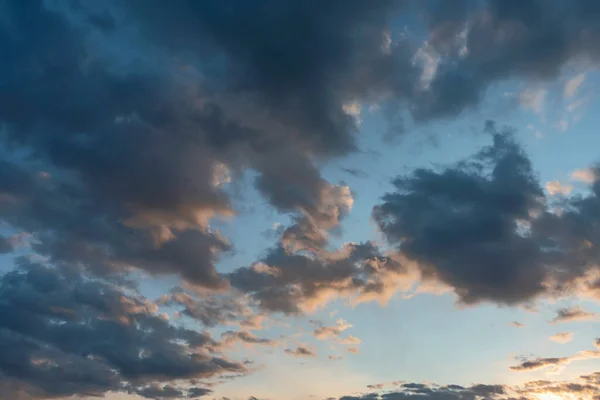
(158, 392)
(138, 153)
(246, 337)
(300, 351)
(125, 185)
(66, 335)
(417, 391)
(5, 245)
(555, 362)
(540, 363)
(538, 39)
(134, 152)
(585, 387)
(484, 227)
(196, 392)
(291, 281)
(307, 86)
(460, 224)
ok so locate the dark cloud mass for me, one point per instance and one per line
(461, 223)
(123, 126)
(63, 335)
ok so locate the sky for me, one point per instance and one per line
(273, 199)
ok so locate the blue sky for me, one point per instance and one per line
(285, 200)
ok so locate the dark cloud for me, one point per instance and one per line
(417, 391)
(357, 173)
(158, 392)
(112, 179)
(114, 164)
(484, 227)
(461, 224)
(356, 54)
(196, 392)
(295, 282)
(5, 245)
(63, 334)
(501, 40)
(554, 363)
(142, 152)
(300, 351)
(584, 387)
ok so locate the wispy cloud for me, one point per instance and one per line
(573, 85)
(562, 337)
(570, 314)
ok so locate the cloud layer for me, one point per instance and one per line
(126, 126)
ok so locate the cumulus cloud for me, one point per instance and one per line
(117, 166)
(460, 223)
(484, 228)
(304, 282)
(65, 335)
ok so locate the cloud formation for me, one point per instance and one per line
(554, 363)
(115, 165)
(571, 314)
(295, 282)
(301, 351)
(586, 387)
(460, 224)
(64, 335)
